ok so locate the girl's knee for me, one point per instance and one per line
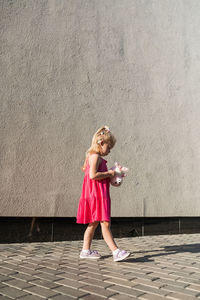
(94, 224)
(105, 224)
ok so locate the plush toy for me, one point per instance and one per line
(120, 173)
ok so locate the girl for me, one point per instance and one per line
(94, 204)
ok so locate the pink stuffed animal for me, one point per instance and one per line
(120, 173)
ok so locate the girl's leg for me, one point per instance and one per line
(107, 235)
(88, 235)
(32, 226)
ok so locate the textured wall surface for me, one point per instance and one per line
(69, 67)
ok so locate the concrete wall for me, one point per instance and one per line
(69, 67)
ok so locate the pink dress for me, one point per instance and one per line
(94, 203)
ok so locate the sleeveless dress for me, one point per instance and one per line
(94, 203)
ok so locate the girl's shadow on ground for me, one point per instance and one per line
(166, 250)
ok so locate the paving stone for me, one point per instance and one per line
(177, 289)
(50, 264)
(173, 268)
(4, 297)
(12, 292)
(176, 296)
(25, 271)
(150, 276)
(195, 275)
(89, 275)
(193, 287)
(93, 297)
(95, 282)
(191, 269)
(137, 271)
(90, 263)
(122, 297)
(115, 269)
(2, 285)
(151, 290)
(21, 276)
(48, 277)
(126, 291)
(69, 291)
(8, 266)
(73, 276)
(155, 284)
(44, 283)
(120, 282)
(156, 276)
(162, 272)
(74, 265)
(35, 261)
(86, 270)
(163, 275)
(71, 283)
(97, 291)
(49, 271)
(151, 297)
(40, 291)
(19, 284)
(180, 274)
(162, 282)
(188, 280)
(7, 272)
(62, 297)
(4, 278)
(31, 297)
(70, 271)
(116, 275)
(28, 265)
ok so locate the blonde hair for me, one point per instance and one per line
(104, 135)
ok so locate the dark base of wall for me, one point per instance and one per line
(18, 230)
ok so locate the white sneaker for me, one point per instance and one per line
(120, 255)
(90, 254)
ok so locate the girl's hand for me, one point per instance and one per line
(123, 175)
(111, 173)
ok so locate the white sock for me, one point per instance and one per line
(115, 251)
(86, 251)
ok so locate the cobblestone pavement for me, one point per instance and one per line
(160, 267)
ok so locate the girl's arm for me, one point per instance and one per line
(94, 161)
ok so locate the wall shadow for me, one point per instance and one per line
(166, 250)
